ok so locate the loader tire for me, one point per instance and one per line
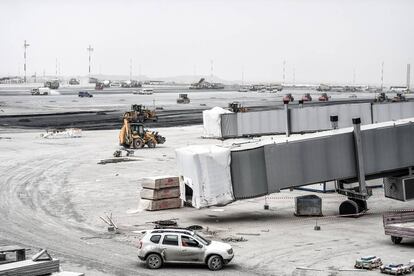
(151, 144)
(138, 143)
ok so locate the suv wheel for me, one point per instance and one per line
(215, 262)
(154, 261)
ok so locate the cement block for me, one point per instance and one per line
(160, 182)
(162, 204)
(160, 194)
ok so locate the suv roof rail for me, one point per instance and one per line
(172, 230)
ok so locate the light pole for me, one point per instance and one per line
(90, 50)
(25, 47)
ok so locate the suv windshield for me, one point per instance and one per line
(203, 240)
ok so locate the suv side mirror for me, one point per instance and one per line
(200, 245)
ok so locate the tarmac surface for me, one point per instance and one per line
(52, 192)
(64, 109)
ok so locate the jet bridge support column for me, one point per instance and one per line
(359, 156)
(287, 118)
(357, 196)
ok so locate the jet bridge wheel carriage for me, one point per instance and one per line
(352, 206)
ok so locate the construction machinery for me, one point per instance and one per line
(203, 84)
(288, 98)
(399, 98)
(324, 97)
(99, 86)
(183, 99)
(140, 113)
(73, 81)
(133, 135)
(40, 91)
(382, 97)
(53, 84)
(307, 97)
(236, 107)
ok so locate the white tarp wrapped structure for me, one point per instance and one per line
(206, 170)
(212, 121)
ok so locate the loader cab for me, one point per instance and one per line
(137, 107)
(137, 129)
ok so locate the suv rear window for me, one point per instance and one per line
(170, 240)
(155, 238)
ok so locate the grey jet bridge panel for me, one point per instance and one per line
(386, 148)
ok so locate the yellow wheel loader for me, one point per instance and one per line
(133, 135)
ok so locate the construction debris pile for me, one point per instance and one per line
(160, 193)
(67, 133)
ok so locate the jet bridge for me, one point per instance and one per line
(347, 156)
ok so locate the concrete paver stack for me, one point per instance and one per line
(160, 193)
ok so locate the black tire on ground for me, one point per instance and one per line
(153, 261)
(362, 204)
(151, 144)
(348, 207)
(215, 262)
(138, 144)
(396, 240)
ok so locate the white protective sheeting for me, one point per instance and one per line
(206, 170)
(212, 121)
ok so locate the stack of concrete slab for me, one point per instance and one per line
(67, 273)
(30, 267)
(160, 193)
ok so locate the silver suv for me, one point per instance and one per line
(160, 246)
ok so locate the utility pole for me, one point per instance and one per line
(90, 50)
(382, 76)
(25, 67)
(56, 68)
(284, 71)
(408, 77)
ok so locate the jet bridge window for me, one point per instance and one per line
(170, 240)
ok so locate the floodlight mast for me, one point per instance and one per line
(25, 66)
(90, 50)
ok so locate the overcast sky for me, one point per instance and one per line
(321, 40)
